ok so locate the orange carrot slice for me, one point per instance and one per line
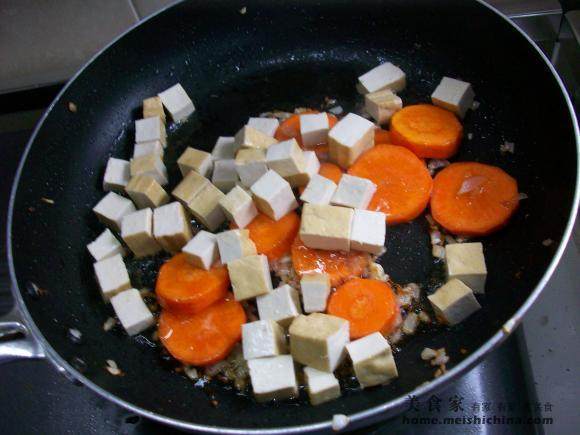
(382, 136)
(206, 337)
(402, 179)
(473, 199)
(290, 128)
(369, 305)
(185, 288)
(427, 130)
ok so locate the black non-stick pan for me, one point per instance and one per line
(279, 55)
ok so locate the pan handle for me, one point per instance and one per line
(16, 342)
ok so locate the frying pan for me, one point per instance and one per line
(281, 55)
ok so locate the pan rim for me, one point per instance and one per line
(371, 414)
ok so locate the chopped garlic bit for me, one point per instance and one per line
(435, 164)
(475, 105)
(438, 252)
(113, 368)
(278, 114)
(547, 242)
(243, 10)
(377, 272)
(47, 200)
(336, 110)
(109, 324)
(469, 136)
(339, 422)
(507, 147)
(410, 323)
(522, 195)
(190, 372)
(428, 354)
(441, 358)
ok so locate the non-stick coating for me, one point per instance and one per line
(280, 55)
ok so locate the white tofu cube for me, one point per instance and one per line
(112, 208)
(286, 158)
(195, 160)
(368, 231)
(372, 360)
(319, 190)
(454, 95)
(225, 176)
(315, 289)
(191, 185)
(177, 102)
(262, 339)
(145, 148)
(318, 340)
(224, 149)
(273, 378)
(146, 192)
(265, 125)
(117, 175)
(349, 138)
(239, 207)
(150, 130)
(112, 276)
(273, 195)
(250, 277)
(202, 250)
(105, 246)
(354, 192)
(250, 165)
(466, 262)
(382, 105)
(311, 168)
(281, 305)
(314, 129)
(249, 137)
(206, 209)
(384, 76)
(151, 165)
(234, 244)
(132, 311)
(153, 107)
(171, 227)
(137, 232)
(453, 302)
(321, 386)
(326, 227)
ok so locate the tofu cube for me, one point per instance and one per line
(112, 208)
(132, 311)
(239, 207)
(267, 126)
(368, 231)
(189, 187)
(145, 148)
(318, 340)
(315, 289)
(171, 227)
(150, 130)
(151, 165)
(326, 227)
(382, 105)
(466, 262)
(117, 175)
(454, 95)
(319, 190)
(372, 360)
(384, 76)
(349, 138)
(286, 158)
(146, 192)
(250, 276)
(354, 192)
(105, 246)
(311, 168)
(137, 232)
(273, 195)
(251, 165)
(314, 129)
(153, 107)
(225, 148)
(249, 137)
(177, 102)
(202, 250)
(206, 209)
(112, 276)
(235, 244)
(453, 302)
(195, 160)
(225, 176)
(262, 339)
(281, 305)
(321, 386)
(273, 378)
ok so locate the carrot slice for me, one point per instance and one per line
(206, 337)
(274, 238)
(369, 306)
(402, 179)
(427, 130)
(382, 136)
(185, 288)
(340, 266)
(327, 170)
(290, 128)
(473, 199)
